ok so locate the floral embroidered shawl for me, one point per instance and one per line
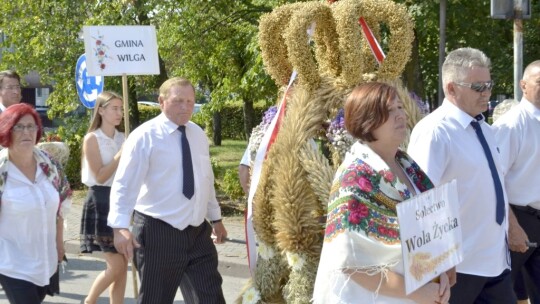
(362, 230)
(52, 169)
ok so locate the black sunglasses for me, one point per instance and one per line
(479, 87)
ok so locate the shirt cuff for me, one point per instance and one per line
(119, 221)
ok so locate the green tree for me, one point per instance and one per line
(469, 24)
(39, 38)
(215, 43)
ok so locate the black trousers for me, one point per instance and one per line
(170, 258)
(21, 291)
(471, 289)
(529, 261)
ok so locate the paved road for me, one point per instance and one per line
(81, 270)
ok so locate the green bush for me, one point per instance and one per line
(232, 119)
(230, 185)
(199, 119)
(147, 112)
(216, 169)
(72, 132)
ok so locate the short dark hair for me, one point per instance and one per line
(366, 109)
(11, 116)
(9, 74)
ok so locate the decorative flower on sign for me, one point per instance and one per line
(251, 296)
(100, 51)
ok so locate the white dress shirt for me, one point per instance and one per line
(108, 147)
(246, 159)
(149, 177)
(28, 227)
(446, 147)
(518, 136)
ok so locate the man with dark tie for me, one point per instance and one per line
(10, 89)
(165, 178)
(518, 135)
(455, 142)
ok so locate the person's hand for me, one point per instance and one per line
(444, 286)
(218, 229)
(119, 153)
(61, 251)
(452, 276)
(124, 242)
(517, 238)
(433, 293)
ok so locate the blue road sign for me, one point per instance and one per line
(88, 87)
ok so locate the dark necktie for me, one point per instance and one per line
(188, 188)
(499, 215)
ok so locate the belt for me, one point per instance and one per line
(527, 209)
(97, 187)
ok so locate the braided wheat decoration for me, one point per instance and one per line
(291, 199)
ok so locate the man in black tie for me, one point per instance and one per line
(166, 178)
(455, 142)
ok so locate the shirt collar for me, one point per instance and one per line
(459, 115)
(168, 125)
(529, 107)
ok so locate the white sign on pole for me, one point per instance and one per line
(430, 231)
(121, 50)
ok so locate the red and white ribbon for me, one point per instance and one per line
(372, 41)
(268, 139)
(266, 142)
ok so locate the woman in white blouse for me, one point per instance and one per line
(102, 147)
(34, 194)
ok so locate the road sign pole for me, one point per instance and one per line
(518, 47)
(125, 92)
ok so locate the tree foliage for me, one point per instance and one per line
(469, 25)
(214, 43)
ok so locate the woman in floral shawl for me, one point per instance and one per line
(361, 259)
(34, 193)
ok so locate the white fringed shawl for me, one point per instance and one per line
(362, 231)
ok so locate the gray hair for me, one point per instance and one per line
(458, 62)
(530, 69)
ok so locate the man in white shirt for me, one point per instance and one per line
(454, 142)
(10, 89)
(518, 136)
(165, 177)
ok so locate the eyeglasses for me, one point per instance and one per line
(21, 128)
(479, 87)
(12, 87)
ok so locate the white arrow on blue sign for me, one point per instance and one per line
(88, 87)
